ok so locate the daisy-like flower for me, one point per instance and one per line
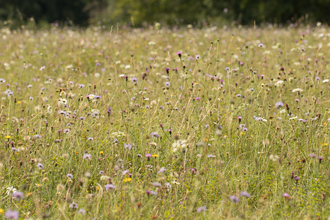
(10, 190)
(179, 144)
(87, 156)
(9, 92)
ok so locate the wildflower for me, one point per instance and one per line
(179, 53)
(320, 159)
(197, 57)
(69, 175)
(82, 211)
(201, 209)
(167, 84)
(73, 205)
(286, 195)
(127, 180)
(87, 156)
(66, 131)
(179, 144)
(234, 199)
(9, 92)
(151, 193)
(279, 104)
(2, 80)
(297, 90)
(156, 184)
(154, 134)
(155, 155)
(10, 190)
(134, 80)
(40, 166)
(260, 45)
(312, 156)
(12, 214)
(18, 195)
(109, 186)
(245, 194)
(128, 146)
(81, 86)
(162, 170)
(148, 155)
(42, 68)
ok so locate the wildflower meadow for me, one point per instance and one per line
(165, 123)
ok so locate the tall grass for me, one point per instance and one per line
(167, 124)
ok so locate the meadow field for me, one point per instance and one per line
(157, 123)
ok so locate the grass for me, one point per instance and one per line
(94, 125)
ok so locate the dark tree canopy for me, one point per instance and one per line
(170, 12)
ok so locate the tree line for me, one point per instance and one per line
(168, 12)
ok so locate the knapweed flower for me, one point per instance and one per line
(234, 199)
(69, 175)
(179, 53)
(109, 186)
(18, 195)
(73, 205)
(87, 156)
(167, 84)
(12, 214)
(245, 194)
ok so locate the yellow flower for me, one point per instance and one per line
(8, 137)
(101, 152)
(1, 211)
(19, 102)
(325, 144)
(155, 155)
(127, 180)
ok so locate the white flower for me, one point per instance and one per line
(274, 158)
(325, 81)
(127, 66)
(62, 101)
(11, 190)
(104, 177)
(278, 83)
(297, 90)
(179, 144)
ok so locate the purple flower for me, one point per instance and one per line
(197, 57)
(40, 166)
(234, 199)
(81, 86)
(151, 192)
(286, 195)
(167, 84)
(245, 194)
(197, 98)
(320, 159)
(162, 170)
(73, 205)
(66, 131)
(312, 155)
(87, 156)
(82, 211)
(134, 80)
(18, 195)
(128, 146)
(201, 209)
(69, 175)
(167, 70)
(90, 138)
(154, 134)
(125, 172)
(109, 186)
(12, 214)
(279, 104)
(148, 155)
(179, 53)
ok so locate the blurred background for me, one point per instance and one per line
(139, 13)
